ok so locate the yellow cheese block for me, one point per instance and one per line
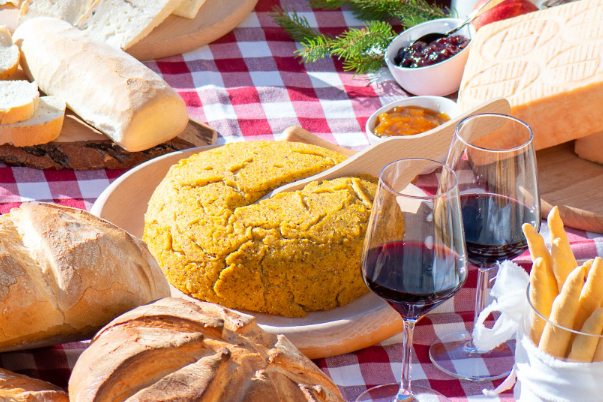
(548, 64)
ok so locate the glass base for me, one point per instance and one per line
(455, 355)
(389, 392)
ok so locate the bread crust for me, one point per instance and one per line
(20, 388)
(106, 87)
(65, 273)
(178, 349)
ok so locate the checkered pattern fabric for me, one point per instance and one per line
(249, 86)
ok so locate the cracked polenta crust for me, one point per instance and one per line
(292, 253)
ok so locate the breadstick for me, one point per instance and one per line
(543, 290)
(538, 249)
(556, 341)
(563, 258)
(598, 357)
(563, 261)
(592, 292)
(584, 346)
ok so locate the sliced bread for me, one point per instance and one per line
(122, 23)
(18, 101)
(43, 127)
(9, 54)
(188, 8)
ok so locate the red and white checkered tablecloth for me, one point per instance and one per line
(249, 86)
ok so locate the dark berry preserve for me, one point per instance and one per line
(421, 54)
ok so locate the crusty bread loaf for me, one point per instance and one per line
(44, 126)
(20, 388)
(65, 273)
(9, 54)
(105, 86)
(122, 23)
(18, 100)
(180, 350)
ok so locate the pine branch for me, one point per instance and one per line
(372, 39)
(297, 27)
(409, 12)
(361, 50)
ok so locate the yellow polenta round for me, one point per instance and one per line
(293, 253)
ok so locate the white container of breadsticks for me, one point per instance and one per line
(556, 316)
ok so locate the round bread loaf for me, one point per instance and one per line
(64, 273)
(21, 388)
(292, 253)
(184, 350)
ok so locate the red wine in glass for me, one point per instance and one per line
(493, 227)
(413, 277)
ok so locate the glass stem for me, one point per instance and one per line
(405, 393)
(481, 295)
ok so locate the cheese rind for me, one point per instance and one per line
(548, 64)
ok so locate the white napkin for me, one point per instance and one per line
(540, 377)
(509, 291)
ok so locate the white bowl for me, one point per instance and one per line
(438, 79)
(437, 103)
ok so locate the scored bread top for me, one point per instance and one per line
(18, 101)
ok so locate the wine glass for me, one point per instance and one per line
(498, 189)
(414, 254)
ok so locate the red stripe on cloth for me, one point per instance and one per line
(56, 369)
(6, 175)
(251, 128)
(314, 125)
(231, 65)
(6, 207)
(244, 96)
(268, 5)
(60, 175)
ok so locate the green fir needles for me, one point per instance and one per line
(362, 49)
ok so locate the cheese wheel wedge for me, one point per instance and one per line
(105, 86)
(547, 65)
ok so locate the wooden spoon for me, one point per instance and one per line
(433, 144)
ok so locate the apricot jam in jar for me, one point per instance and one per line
(408, 120)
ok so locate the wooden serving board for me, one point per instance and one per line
(573, 184)
(81, 147)
(176, 35)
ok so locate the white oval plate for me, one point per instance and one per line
(357, 325)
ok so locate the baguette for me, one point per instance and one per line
(65, 273)
(44, 126)
(105, 86)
